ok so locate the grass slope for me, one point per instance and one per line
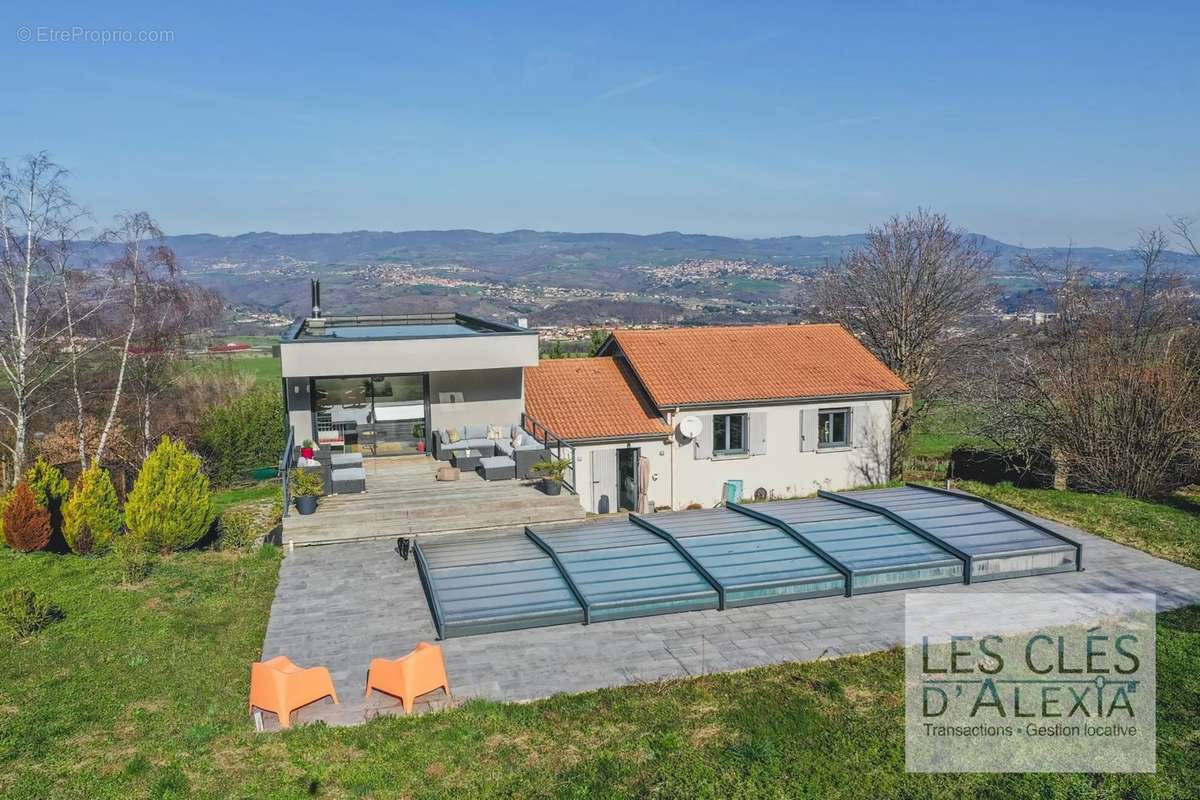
(1168, 529)
(141, 693)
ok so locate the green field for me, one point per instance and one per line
(264, 369)
(140, 692)
(945, 427)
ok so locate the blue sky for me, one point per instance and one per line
(1036, 125)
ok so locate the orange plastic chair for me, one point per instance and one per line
(279, 686)
(415, 674)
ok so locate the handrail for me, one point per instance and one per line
(532, 424)
(1008, 513)
(912, 527)
(679, 548)
(285, 469)
(562, 570)
(847, 573)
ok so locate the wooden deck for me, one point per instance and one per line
(403, 499)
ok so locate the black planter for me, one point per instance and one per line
(551, 486)
(306, 504)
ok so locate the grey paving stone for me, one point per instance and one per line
(341, 605)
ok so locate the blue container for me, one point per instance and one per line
(733, 491)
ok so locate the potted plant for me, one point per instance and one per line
(306, 448)
(306, 487)
(553, 470)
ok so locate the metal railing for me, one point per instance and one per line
(285, 469)
(557, 446)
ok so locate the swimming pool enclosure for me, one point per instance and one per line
(843, 543)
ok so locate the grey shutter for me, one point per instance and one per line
(604, 481)
(808, 429)
(859, 426)
(757, 423)
(703, 442)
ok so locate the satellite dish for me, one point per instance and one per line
(690, 427)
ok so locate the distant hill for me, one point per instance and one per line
(516, 254)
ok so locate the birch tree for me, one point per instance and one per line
(35, 210)
(143, 268)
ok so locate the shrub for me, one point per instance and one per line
(47, 483)
(244, 433)
(91, 516)
(26, 524)
(306, 483)
(133, 561)
(50, 489)
(23, 612)
(244, 526)
(170, 506)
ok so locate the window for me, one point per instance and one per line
(729, 433)
(833, 428)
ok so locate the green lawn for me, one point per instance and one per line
(264, 369)
(942, 429)
(1169, 529)
(141, 693)
(225, 498)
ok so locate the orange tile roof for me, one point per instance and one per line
(589, 398)
(684, 366)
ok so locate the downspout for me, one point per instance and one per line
(671, 449)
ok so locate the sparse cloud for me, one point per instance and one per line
(633, 86)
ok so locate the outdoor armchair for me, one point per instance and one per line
(281, 687)
(421, 671)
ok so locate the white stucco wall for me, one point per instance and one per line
(310, 359)
(657, 451)
(785, 470)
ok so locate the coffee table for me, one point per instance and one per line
(467, 460)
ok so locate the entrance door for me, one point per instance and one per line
(377, 414)
(627, 475)
(604, 481)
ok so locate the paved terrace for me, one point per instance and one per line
(341, 606)
(403, 499)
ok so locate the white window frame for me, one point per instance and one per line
(727, 451)
(845, 442)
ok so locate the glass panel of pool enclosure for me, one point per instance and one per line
(998, 543)
(482, 584)
(620, 570)
(751, 561)
(838, 543)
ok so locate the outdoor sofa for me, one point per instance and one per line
(341, 473)
(529, 452)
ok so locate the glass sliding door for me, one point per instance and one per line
(397, 414)
(377, 415)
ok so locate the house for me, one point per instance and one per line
(382, 384)
(663, 418)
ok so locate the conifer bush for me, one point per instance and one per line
(26, 524)
(170, 506)
(50, 490)
(92, 515)
(47, 483)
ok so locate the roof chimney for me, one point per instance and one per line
(314, 286)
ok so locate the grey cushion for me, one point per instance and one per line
(476, 432)
(350, 474)
(504, 448)
(461, 444)
(481, 443)
(496, 461)
(346, 459)
(531, 446)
